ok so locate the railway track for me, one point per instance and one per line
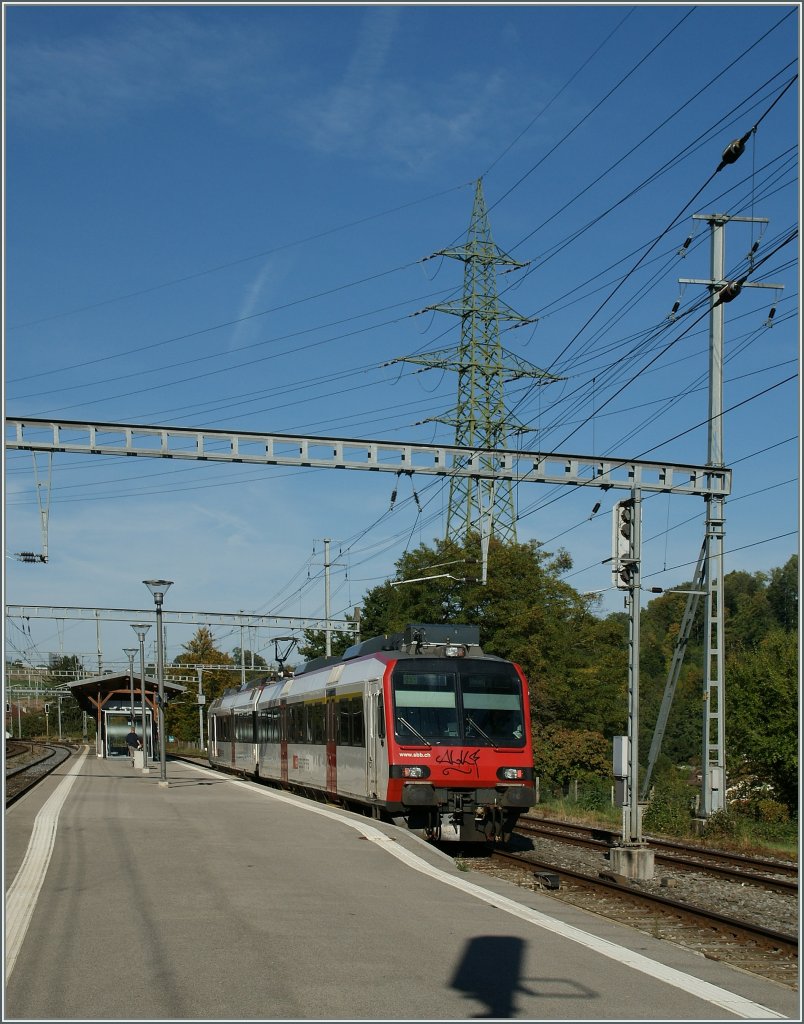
(774, 875)
(744, 944)
(725, 915)
(37, 763)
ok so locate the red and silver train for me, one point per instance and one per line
(420, 728)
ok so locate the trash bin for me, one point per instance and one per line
(138, 756)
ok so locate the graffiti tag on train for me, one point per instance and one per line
(462, 762)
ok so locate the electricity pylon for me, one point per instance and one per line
(481, 421)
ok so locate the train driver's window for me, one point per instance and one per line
(426, 707)
(492, 703)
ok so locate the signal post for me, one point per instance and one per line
(632, 857)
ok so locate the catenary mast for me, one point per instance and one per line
(480, 418)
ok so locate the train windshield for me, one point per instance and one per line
(475, 702)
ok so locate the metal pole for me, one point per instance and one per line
(158, 589)
(200, 712)
(713, 767)
(58, 699)
(141, 630)
(634, 600)
(97, 634)
(160, 678)
(130, 652)
(328, 648)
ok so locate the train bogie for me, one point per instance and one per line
(421, 727)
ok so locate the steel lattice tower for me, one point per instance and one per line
(480, 418)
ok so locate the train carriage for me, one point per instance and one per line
(420, 727)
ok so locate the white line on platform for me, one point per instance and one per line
(24, 890)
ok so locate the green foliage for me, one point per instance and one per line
(723, 825)
(762, 713)
(594, 794)
(64, 663)
(783, 594)
(250, 659)
(575, 662)
(565, 754)
(770, 811)
(315, 643)
(181, 713)
(670, 809)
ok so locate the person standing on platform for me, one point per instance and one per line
(133, 743)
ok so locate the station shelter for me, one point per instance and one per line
(108, 698)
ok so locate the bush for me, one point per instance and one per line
(724, 825)
(594, 795)
(770, 811)
(670, 807)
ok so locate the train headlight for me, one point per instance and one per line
(415, 771)
(512, 774)
(455, 651)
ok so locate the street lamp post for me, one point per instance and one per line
(130, 652)
(141, 629)
(158, 589)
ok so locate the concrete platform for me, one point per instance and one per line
(217, 899)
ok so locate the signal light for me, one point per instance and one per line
(623, 556)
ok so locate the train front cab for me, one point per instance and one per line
(459, 751)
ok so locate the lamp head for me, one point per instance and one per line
(158, 588)
(141, 628)
(130, 651)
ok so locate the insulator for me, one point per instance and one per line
(771, 315)
(729, 292)
(733, 151)
(674, 310)
(683, 250)
(596, 508)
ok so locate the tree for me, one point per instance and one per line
(525, 613)
(563, 754)
(65, 663)
(250, 659)
(762, 713)
(315, 642)
(181, 713)
(783, 594)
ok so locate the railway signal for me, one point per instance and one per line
(623, 556)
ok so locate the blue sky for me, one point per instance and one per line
(218, 216)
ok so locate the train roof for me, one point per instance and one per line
(417, 638)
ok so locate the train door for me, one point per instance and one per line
(332, 743)
(283, 739)
(375, 734)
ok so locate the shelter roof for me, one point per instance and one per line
(87, 691)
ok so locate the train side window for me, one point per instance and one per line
(319, 723)
(358, 731)
(295, 723)
(344, 722)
